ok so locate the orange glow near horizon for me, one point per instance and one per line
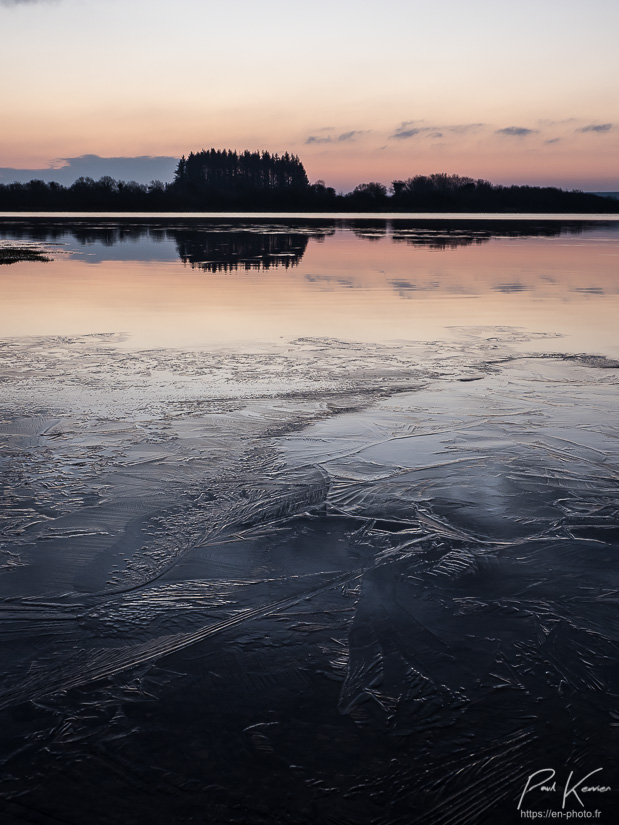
(483, 92)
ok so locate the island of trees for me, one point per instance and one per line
(224, 180)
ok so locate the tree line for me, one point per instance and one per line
(225, 180)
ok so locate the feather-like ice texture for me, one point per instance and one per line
(435, 566)
(335, 582)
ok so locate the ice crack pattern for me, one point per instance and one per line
(407, 549)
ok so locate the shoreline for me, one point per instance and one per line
(373, 216)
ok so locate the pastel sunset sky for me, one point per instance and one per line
(518, 92)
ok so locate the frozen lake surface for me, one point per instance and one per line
(306, 521)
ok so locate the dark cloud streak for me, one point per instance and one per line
(142, 169)
(404, 133)
(407, 133)
(596, 127)
(516, 131)
(345, 137)
(349, 135)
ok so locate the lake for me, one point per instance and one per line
(307, 519)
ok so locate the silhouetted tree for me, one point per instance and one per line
(223, 177)
(368, 196)
(255, 181)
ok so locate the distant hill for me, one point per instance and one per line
(614, 195)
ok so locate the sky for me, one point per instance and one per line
(523, 92)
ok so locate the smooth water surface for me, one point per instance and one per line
(217, 283)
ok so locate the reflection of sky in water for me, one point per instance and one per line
(152, 249)
(187, 285)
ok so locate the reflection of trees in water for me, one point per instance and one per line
(443, 237)
(440, 236)
(440, 240)
(83, 233)
(450, 235)
(225, 251)
(253, 244)
(369, 230)
(211, 246)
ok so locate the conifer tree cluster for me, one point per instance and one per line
(228, 172)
